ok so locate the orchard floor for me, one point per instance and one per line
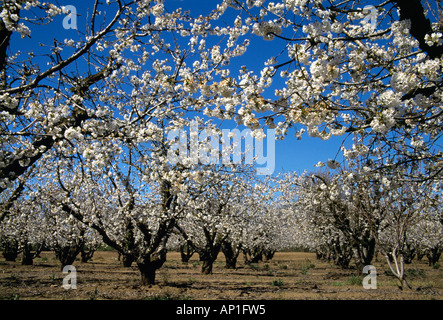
(289, 275)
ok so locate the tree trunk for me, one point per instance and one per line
(268, 254)
(10, 250)
(86, 254)
(370, 251)
(66, 255)
(128, 246)
(256, 255)
(342, 254)
(186, 252)
(396, 260)
(230, 255)
(127, 259)
(147, 272)
(420, 254)
(433, 255)
(148, 265)
(246, 256)
(363, 252)
(27, 259)
(207, 266)
(320, 255)
(208, 257)
(29, 255)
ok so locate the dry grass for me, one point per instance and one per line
(290, 275)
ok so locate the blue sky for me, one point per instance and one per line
(290, 154)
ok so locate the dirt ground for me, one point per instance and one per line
(289, 275)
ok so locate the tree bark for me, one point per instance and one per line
(363, 252)
(148, 265)
(147, 272)
(29, 254)
(413, 11)
(433, 255)
(208, 257)
(268, 254)
(67, 254)
(398, 261)
(86, 254)
(256, 255)
(207, 266)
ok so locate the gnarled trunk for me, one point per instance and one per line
(433, 255)
(409, 253)
(207, 266)
(148, 265)
(126, 258)
(208, 257)
(29, 254)
(86, 254)
(363, 252)
(147, 272)
(268, 254)
(67, 254)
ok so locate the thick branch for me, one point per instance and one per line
(20, 163)
(63, 64)
(420, 26)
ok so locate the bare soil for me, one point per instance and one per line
(289, 275)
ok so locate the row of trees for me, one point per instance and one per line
(344, 213)
(215, 209)
(352, 212)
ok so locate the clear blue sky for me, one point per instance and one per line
(291, 154)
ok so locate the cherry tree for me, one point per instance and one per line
(406, 204)
(425, 236)
(136, 63)
(350, 212)
(132, 211)
(23, 231)
(106, 97)
(269, 226)
(214, 213)
(69, 238)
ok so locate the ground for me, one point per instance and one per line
(289, 275)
